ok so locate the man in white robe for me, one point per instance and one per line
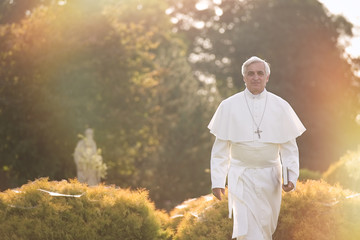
(253, 129)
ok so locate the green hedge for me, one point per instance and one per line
(316, 210)
(204, 218)
(319, 211)
(346, 171)
(101, 212)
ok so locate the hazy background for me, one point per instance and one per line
(148, 75)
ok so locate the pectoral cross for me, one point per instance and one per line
(258, 131)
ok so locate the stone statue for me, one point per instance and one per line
(88, 160)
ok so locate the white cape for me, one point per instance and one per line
(232, 121)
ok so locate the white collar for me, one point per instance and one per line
(255, 96)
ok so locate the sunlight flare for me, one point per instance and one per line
(202, 5)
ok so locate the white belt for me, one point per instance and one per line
(255, 157)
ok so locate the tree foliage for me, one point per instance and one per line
(300, 41)
(114, 66)
(121, 68)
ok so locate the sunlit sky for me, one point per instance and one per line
(350, 9)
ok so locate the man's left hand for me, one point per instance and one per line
(288, 187)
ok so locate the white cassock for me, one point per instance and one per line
(251, 162)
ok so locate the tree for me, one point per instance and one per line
(300, 40)
(114, 66)
(180, 114)
(13, 11)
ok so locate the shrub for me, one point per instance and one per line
(315, 210)
(100, 212)
(306, 174)
(204, 218)
(346, 171)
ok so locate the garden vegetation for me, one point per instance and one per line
(315, 211)
(58, 210)
(43, 210)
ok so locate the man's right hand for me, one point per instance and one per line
(218, 192)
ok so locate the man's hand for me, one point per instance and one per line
(289, 187)
(218, 192)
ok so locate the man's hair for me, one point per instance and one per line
(254, 59)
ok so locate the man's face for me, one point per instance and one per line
(255, 77)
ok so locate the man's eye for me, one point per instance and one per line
(261, 73)
(250, 73)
